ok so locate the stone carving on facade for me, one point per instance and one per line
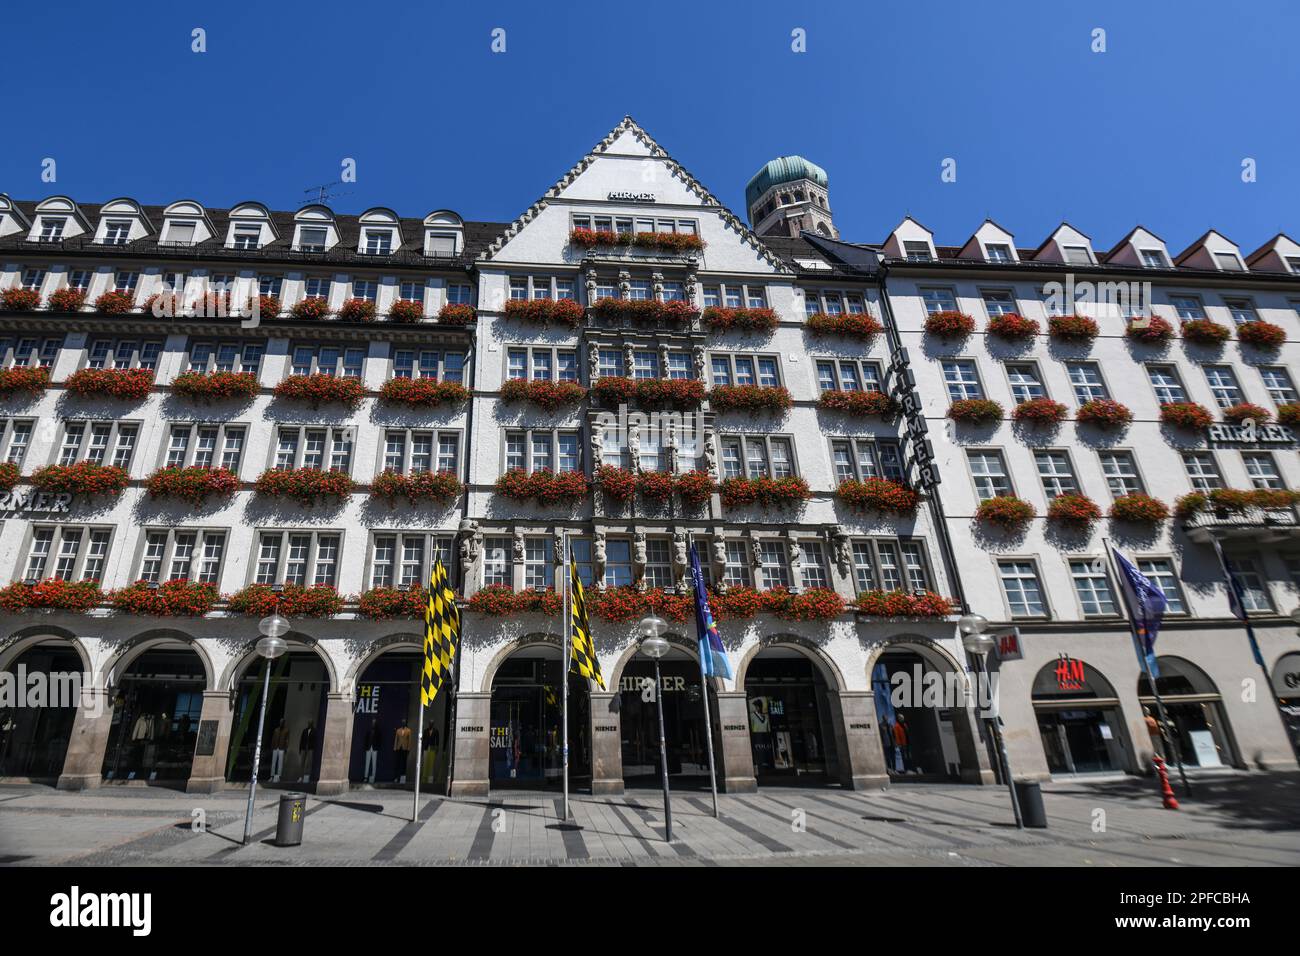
(591, 284)
(593, 362)
(629, 353)
(657, 283)
(697, 355)
(597, 447)
(670, 445)
(719, 556)
(598, 559)
(624, 284)
(518, 545)
(795, 553)
(639, 560)
(558, 557)
(711, 454)
(841, 548)
(634, 444)
(755, 551)
(680, 560)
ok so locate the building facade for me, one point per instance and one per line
(303, 410)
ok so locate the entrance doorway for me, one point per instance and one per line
(788, 717)
(34, 740)
(1079, 719)
(919, 742)
(1195, 721)
(525, 716)
(295, 718)
(684, 725)
(385, 718)
(156, 718)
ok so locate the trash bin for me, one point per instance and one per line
(288, 828)
(1028, 795)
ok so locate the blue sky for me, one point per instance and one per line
(1154, 130)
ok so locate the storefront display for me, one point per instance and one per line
(1195, 723)
(919, 742)
(524, 737)
(34, 740)
(684, 729)
(156, 710)
(295, 714)
(1078, 718)
(788, 714)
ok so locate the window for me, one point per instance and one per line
(680, 366)
(327, 360)
(117, 232)
(367, 290)
(405, 559)
(997, 252)
(101, 443)
(645, 364)
(1262, 469)
(1092, 586)
(409, 451)
(848, 375)
(999, 302)
(181, 233)
(206, 445)
(79, 279)
(862, 458)
(658, 563)
(1025, 381)
(1056, 473)
(610, 364)
(67, 552)
(317, 448)
(1277, 380)
(1202, 471)
(247, 236)
(429, 363)
(539, 561)
(541, 363)
(939, 300)
(304, 558)
(29, 350)
(1242, 310)
(217, 356)
(542, 449)
(917, 250)
(123, 353)
(441, 244)
(962, 379)
(33, 278)
(1223, 383)
(1077, 255)
(814, 565)
(1294, 263)
(412, 291)
(1229, 262)
(732, 369)
(317, 287)
(181, 554)
(1188, 307)
(15, 439)
(1087, 381)
(1254, 590)
(1166, 384)
(618, 563)
(1121, 473)
(1020, 585)
(52, 228)
(890, 565)
(989, 472)
(736, 572)
(379, 242)
(460, 293)
(1161, 573)
(772, 562)
(312, 238)
(498, 562)
(125, 281)
(757, 456)
(1153, 258)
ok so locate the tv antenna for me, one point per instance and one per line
(323, 193)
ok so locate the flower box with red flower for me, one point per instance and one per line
(267, 306)
(737, 603)
(1012, 327)
(357, 310)
(547, 487)
(541, 601)
(495, 600)
(675, 313)
(750, 398)
(126, 384)
(212, 305)
(949, 324)
(1235, 500)
(617, 484)
(1006, 512)
(1078, 511)
(23, 378)
(975, 411)
(878, 494)
(725, 319)
(545, 311)
(313, 308)
(404, 310)
(51, 594)
(293, 600)
(680, 393)
(1263, 335)
(17, 299)
(1072, 328)
(1205, 332)
(9, 475)
(321, 389)
(855, 325)
(859, 404)
(655, 485)
(542, 392)
(440, 487)
(215, 386)
(814, 604)
(620, 605)
(1104, 413)
(694, 487)
(194, 484)
(67, 300)
(386, 604)
(422, 392)
(307, 486)
(1149, 330)
(900, 604)
(592, 238)
(1039, 411)
(457, 313)
(764, 492)
(83, 478)
(1139, 508)
(669, 241)
(613, 390)
(1246, 411)
(1288, 414)
(115, 302)
(176, 598)
(1186, 415)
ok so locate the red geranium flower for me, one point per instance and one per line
(949, 325)
(321, 389)
(1076, 510)
(1288, 414)
(176, 598)
(357, 310)
(385, 603)
(1205, 332)
(442, 487)
(545, 311)
(17, 299)
(67, 300)
(1007, 512)
(313, 308)
(878, 494)
(127, 384)
(83, 478)
(1072, 328)
(115, 302)
(1104, 413)
(404, 310)
(752, 398)
(53, 593)
(1012, 327)
(694, 488)
(618, 484)
(858, 325)
(859, 404)
(305, 485)
(723, 319)
(1186, 415)
(424, 392)
(1139, 508)
(1264, 335)
(215, 385)
(975, 411)
(764, 492)
(192, 484)
(1245, 410)
(457, 313)
(1150, 331)
(549, 395)
(23, 378)
(294, 600)
(1039, 411)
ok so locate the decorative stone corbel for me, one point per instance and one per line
(639, 560)
(598, 559)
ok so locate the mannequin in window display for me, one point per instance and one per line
(887, 739)
(430, 753)
(279, 744)
(903, 741)
(306, 748)
(372, 751)
(401, 751)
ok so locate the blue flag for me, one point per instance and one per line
(1237, 601)
(713, 656)
(1147, 605)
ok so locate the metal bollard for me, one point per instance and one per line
(288, 828)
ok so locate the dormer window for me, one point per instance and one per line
(181, 233)
(247, 236)
(998, 252)
(379, 242)
(917, 251)
(441, 244)
(1153, 259)
(1294, 263)
(312, 238)
(117, 232)
(1229, 262)
(1077, 255)
(52, 228)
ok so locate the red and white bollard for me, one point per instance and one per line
(1166, 791)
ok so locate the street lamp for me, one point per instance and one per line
(271, 646)
(978, 644)
(654, 647)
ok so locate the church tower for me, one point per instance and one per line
(787, 195)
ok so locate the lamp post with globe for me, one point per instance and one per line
(978, 644)
(271, 646)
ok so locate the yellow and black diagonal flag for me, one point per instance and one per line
(441, 634)
(584, 652)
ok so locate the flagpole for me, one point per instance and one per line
(708, 718)
(564, 671)
(1146, 665)
(452, 710)
(419, 754)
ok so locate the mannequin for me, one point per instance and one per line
(903, 740)
(306, 748)
(401, 751)
(430, 752)
(372, 751)
(279, 744)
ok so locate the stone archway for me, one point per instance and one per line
(50, 673)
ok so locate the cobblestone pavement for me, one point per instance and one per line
(1231, 820)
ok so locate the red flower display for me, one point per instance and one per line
(814, 604)
(115, 302)
(1039, 411)
(1007, 512)
(750, 398)
(547, 487)
(614, 390)
(313, 308)
(901, 604)
(1288, 414)
(676, 313)
(83, 478)
(1245, 410)
(1072, 328)
(858, 325)
(127, 384)
(53, 594)
(1264, 335)
(669, 392)
(975, 411)
(9, 475)
(209, 386)
(1186, 415)
(1012, 327)
(498, 600)
(67, 300)
(618, 484)
(268, 306)
(694, 488)
(1235, 500)
(545, 311)
(357, 310)
(723, 319)
(385, 604)
(1150, 331)
(404, 310)
(878, 494)
(1205, 332)
(441, 487)
(305, 485)
(320, 389)
(16, 299)
(859, 404)
(1078, 511)
(764, 492)
(1139, 508)
(457, 313)
(665, 242)
(543, 392)
(655, 485)
(23, 378)
(178, 598)
(259, 600)
(162, 305)
(1104, 413)
(423, 392)
(192, 484)
(949, 325)
(737, 603)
